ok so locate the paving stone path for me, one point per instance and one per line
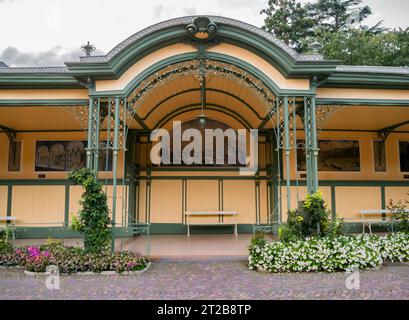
(209, 280)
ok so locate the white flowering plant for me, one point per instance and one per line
(329, 254)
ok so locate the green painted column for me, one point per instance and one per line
(114, 169)
(90, 132)
(96, 124)
(287, 152)
(311, 144)
(315, 150)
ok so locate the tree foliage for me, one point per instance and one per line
(329, 23)
(360, 47)
(289, 21)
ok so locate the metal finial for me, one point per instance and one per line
(88, 48)
(316, 46)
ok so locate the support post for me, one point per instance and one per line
(287, 152)
(96, 136)
(311, 144)
(314, 160)
(114, 169)
(90, 132)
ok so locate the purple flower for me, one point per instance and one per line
(46, 254)
(33, 251)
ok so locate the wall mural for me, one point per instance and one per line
(14, 159)
(67, 156)
(404, 156)
(334, 155)
(379, 156)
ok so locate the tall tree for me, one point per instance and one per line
(334, 15)
(289, 21)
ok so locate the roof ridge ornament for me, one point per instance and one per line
(88, 48)
(202, 29)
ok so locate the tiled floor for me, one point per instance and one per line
(178, 246)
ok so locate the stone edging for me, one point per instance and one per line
(90, 273)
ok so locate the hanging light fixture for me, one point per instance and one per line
(202, 116)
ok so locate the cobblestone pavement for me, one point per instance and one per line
(209, 280)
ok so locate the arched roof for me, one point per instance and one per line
(261, 42)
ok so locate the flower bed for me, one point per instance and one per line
(71, 260)
(328, 254)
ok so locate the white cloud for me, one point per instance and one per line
(36, 30)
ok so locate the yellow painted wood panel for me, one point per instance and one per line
(240, 196)
(203, 195)
(75, 196)
(121, 202)
(38, 204)
(166, 201)
(141, 214)
(396, 194)
(264, 198)
(350, 200)
(3, 200)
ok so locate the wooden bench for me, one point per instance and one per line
(194, 214)
(375, 216)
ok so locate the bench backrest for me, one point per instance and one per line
(385, 212)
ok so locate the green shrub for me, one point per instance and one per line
(329, 254)
(287, 234)
(311, 219)
(258, 240)
(5, 247)
(333, 228)
(400, 217)
(93, 217)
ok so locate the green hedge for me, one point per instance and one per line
(328, 254)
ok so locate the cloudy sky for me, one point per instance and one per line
(49, 32)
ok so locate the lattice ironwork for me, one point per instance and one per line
(200, 68)
(324, 112)
(79, 113)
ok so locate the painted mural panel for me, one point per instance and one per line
(404, 156)
(67, 156)
(379, 156)
(14, 159)
(334, 155)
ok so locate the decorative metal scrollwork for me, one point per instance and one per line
(202, 29)
(324, 112)
(200, 68)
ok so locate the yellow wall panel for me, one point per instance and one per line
(203, 195)
(38, 204)
(396, 194)
(166, 201)
(264, 198)
(240, 196)
(3, 201)
(75, 196)
(350, 200)
(141, 205)
(121, 202)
